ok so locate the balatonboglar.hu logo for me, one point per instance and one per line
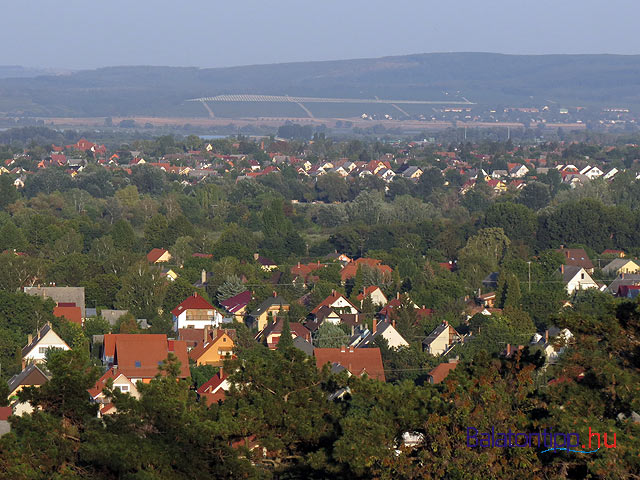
(549, 440)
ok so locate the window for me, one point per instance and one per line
(582, 276)
(42, 350)
(138, 364)
(224, 339)
(123, 388)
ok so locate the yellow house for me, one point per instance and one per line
(169, 274)
(621, 265)
(219, 345)
(271, 307)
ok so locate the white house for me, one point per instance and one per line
(576, 278)
(441, 339)
(195, 312)
(36, 349)
(376, 295)
(611, 173)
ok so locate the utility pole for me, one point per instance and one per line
(529, 263)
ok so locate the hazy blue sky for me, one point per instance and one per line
(209, 33)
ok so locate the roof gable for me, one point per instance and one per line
(357, 361)
(194, 302)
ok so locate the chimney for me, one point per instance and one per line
(29, 339)
(353, 330)
(220, 372)
(508, 349)
(350, 349)
(546, 336)
(275, 294)
(203, 276)
(398, 295)
(298, 264)
(343, 349)
(562, 268)
(393, 323)
(375, 326)
(255, 256)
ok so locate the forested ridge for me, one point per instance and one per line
(283, 417)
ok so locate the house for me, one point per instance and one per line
(217, 346)
(195, 312)
(553, 343)
(413, 173)
(169, 274)
(624, 279)
(266, 264)
(576, 278)
(271, 334)
(138, 356)
(32, 376)
(356, 361)
(112, 316)
(303, 345)
(628, 291)
(387, 312)
(269, 308)
(385, 330)
(441, 372)
(351, 269)
(68, 296)
(610, 174)
(5, 426)
(517, 170)
(36, 349)
(69, 312)
(338, 303)
(158, 255)
(621, 265)
(325, 314)
(615, 253)
(305, 271)
(237, 305)
(376, 295)
(487, 300)
(577, 257)
(120, 382)
(443, 337)
(214, 390)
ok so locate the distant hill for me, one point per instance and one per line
(517, 80)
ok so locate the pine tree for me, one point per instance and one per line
(286, 341)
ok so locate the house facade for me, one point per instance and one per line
(36, 349)
(195, 312)
(441, 339)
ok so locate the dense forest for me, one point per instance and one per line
(92, 227)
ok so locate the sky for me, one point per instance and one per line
(77, 34)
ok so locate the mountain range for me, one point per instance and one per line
(484, 78)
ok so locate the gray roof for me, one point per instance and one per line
(614, 265)
(112, 316)
(41, 333)
(301, 344)
(269, 302)
(60, 295)
(436, 333)
(569, 272)
(626, 279)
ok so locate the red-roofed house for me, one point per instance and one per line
(195, 312)
(215, 349)
(438, 374)
(70, 312)
(158, 255)
(138, 356)
(215, 389)
(351, 269)
(271, 334)
(357, 361)
(120, 381)
(337, 302)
